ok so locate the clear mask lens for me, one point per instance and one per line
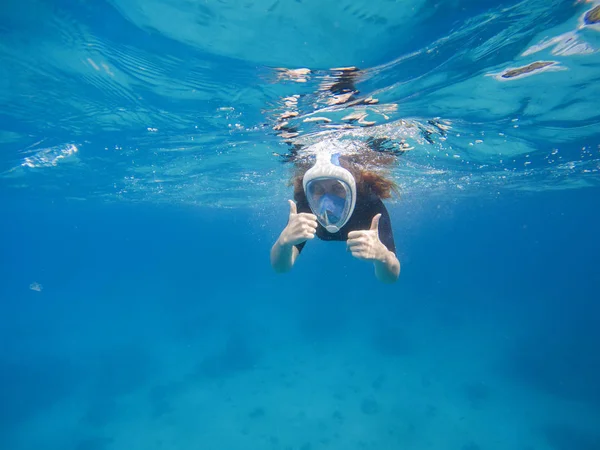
(329, 200)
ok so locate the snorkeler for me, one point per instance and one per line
(337, 200)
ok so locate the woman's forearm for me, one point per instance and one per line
(387, 269)
(283, 256)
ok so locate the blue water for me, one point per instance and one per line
(143, 182)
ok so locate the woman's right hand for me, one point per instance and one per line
(300, 227)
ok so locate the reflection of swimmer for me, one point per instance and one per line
(592, 17)
(525, 70)
(337, 88)
(337, 200)
(340, 85)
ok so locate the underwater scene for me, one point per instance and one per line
(300, 225)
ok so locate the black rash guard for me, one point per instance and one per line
(367, 207)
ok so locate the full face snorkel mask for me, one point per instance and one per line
(331, 192)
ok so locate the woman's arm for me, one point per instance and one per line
(366, 245)
(300, 228)
(387, 269)
(283, 256)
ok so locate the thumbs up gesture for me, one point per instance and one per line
(300, 227)
(365, 244)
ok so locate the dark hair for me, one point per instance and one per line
(362, 167)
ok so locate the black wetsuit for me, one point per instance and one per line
(367, 207)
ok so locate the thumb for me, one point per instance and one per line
(375, 223)
(293, 209)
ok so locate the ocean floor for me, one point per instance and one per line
(369, 384)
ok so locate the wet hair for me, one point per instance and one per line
(364, 168)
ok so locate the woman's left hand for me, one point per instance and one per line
(365, 244)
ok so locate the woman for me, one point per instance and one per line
(340, 199)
